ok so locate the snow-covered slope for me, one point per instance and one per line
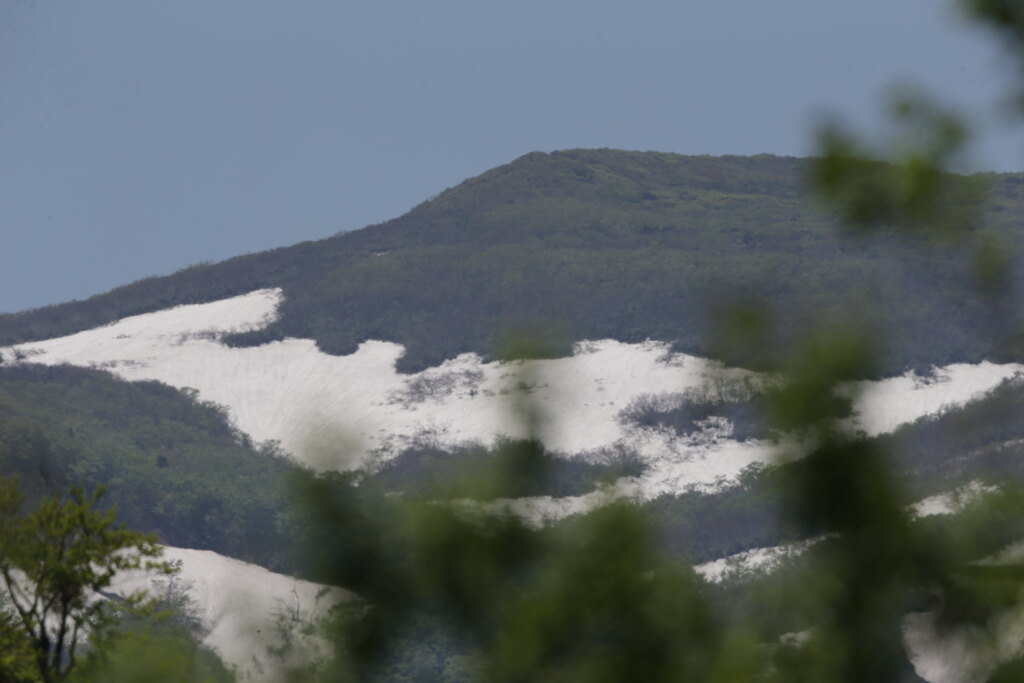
(248, 613)
(344, 412)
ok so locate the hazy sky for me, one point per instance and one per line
(141, 136)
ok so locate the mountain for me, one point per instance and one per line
(200, 398)
(590, 244)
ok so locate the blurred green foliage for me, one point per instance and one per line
(588, 600)
(154, 654)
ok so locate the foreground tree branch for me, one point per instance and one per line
(55, 561)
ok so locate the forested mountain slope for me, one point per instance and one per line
(596, 245)
(173, 466)
(177, 467)
(590, 244)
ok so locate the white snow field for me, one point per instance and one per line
(246, 610)
(753, 561)
(346, 412)
(766, 559)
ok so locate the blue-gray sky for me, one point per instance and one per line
(141, 136)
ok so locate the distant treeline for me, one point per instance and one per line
(597, 244)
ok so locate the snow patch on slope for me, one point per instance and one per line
(756, 560)
(952, 501)
(344, 412)
(885, 405)
(243, 608)
(767, 559)
(291, 392)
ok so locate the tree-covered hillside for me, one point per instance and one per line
(172, 466)
(177, 468)
(592, 244)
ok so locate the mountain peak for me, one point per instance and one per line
(596, 243)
